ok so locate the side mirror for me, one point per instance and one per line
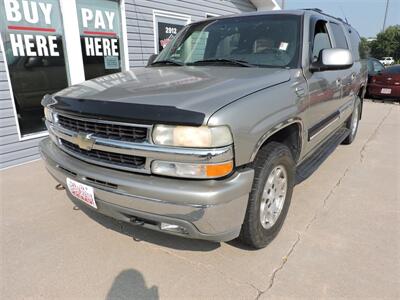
(332, 59)
(151, 59)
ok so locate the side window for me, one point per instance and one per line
(358, 51)
(339, 36)
(370, 67)
(377, 66)
(321, 40)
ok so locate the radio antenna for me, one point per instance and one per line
(341, 8)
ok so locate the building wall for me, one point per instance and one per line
(140, 35)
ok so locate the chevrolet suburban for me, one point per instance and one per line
(208, 140)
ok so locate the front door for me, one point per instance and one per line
(325, 90)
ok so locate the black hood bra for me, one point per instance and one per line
(126, 112)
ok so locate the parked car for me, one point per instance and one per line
(374, 67)
(385, 84)
(387, 61)
(209, 140)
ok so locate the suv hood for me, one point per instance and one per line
(197, 92)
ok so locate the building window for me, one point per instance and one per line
(100, 32)
(166, 26)
(32, 35)
(44, 57)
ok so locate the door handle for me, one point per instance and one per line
(300, 92)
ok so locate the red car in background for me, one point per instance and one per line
(384, 83)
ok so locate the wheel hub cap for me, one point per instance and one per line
(273, 197)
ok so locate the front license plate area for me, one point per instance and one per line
(82, 192)
(386, 91)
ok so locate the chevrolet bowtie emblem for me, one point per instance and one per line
(85, 141)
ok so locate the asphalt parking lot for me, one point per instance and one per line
(341, 238)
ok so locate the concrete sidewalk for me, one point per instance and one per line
(341, 238)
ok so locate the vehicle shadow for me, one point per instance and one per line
(138, 233)
(130, 284)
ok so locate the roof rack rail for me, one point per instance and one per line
(314, 9)
(318, 10)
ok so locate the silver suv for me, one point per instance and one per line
(210, 138)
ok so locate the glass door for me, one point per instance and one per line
(100, 34)
(32, 35)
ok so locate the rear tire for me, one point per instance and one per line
(270, 196)
(352, 123)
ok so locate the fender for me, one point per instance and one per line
(276, 129)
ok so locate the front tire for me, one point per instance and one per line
(270, 196)
(352, 123)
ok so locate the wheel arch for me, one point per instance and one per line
(289, 132)
(361, 94)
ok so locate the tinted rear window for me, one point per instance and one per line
(393, 70)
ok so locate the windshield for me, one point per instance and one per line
(262, 41)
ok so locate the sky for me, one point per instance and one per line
(366, 16)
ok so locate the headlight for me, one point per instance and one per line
(188, 136)
(191, 170)
(48, 114)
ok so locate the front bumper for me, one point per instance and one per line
(204, 209)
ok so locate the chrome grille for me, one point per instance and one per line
(115, 159)
(74, 135)
(105, 130)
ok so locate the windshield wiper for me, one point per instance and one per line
(231, 61)
(167, 62)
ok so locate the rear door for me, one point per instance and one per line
(347, 77)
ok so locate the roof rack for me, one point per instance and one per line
(325, 14)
